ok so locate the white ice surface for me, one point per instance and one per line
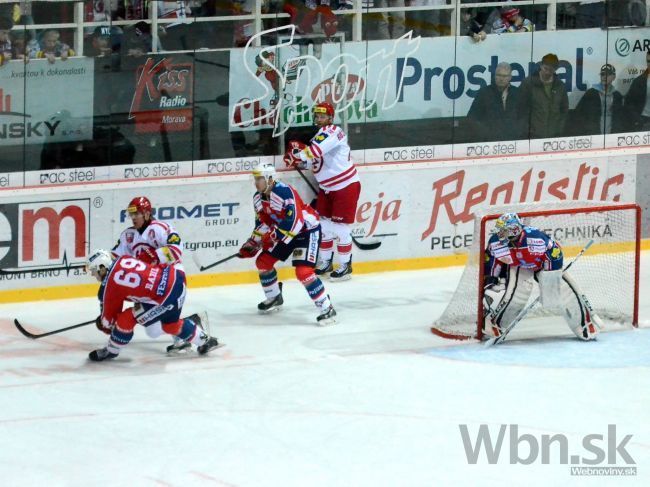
(375, 400)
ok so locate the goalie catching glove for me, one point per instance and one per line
(292, 156)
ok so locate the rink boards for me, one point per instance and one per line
(420, 212)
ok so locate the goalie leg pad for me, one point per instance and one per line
(491, 299)
(577, 311)
(550, 289)
(519, 286)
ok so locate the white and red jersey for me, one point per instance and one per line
(97, 11)
(132, 280)
(159, 235)
(173, 10)
(328, 156)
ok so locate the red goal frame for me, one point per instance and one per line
(525, 214)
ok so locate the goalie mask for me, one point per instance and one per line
(509, 226)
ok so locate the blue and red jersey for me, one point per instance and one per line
(532, 249)
(283, 212)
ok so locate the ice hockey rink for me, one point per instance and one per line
(376, 400)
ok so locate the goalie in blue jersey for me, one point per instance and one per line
(516, 258)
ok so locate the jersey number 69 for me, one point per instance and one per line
(129, 279)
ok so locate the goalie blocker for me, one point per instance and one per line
(516, 258)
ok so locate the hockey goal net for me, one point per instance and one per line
(608, 273)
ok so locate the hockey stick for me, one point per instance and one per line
(522, 314)
(36, 336)
(360, 245)
(202, 268)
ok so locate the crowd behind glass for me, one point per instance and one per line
(119, 33)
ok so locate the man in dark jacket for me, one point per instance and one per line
(543, 103)
(492, 114)
(637, 102)
(600, 110)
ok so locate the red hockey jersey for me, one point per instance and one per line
(132, 280)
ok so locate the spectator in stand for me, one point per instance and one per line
(130, 10)
(600, 110)
(178, 9)
(24, 47)
(96, 12)
(390, 25)
(10, 11)
(244, 29)
(6, 51)
(137, 40)
(469, 26)
(176, 35)
(105, 41)
(427, 23)
(543, 103)
(492, 115)
(637, 101)
(514, 22)
(490, 19)
(590, 13)
(310, 18)
(52, 47)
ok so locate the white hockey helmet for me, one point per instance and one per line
(98, 259)
(265, 170)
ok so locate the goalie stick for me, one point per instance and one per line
(36, 336)
(202, 268)
(360, 245)
(522, 314)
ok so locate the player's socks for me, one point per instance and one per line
(272, 303)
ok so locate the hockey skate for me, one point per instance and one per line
(324, 267)
(101, 354)
(343, 273)
(179, 346)
(210, 344)
(271, 304)
(327, 317)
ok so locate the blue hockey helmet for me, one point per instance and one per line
(508, 226)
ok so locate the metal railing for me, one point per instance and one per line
(358, 13)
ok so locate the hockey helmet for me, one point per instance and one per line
(98, 259)
(324, 107)
(508, 226)
(265, 170)
(139, 204)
